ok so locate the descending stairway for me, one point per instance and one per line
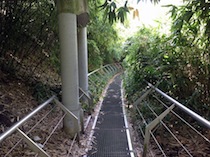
(110, 131)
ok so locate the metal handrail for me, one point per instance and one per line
(110, 69)
(19, 123)
(108, 65)
(152, 125)
(101, 76)
(33, 145)
(182, 107)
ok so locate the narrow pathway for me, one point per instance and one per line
(110, 138)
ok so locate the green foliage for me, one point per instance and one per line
(113, 12)
(102, 38)
(178, 62)
(192, 21)
(94, 58)
(41, 91)
(28, 29)
(29, 44)
(142, 60)
(181, 69)
(191, 31)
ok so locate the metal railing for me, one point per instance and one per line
(97, 81)
(99, 78)
(32, 144)
(96, 78)
(155, 109)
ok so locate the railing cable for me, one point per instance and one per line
(182, 107)
(174, 136)
(30, 131)
(73, 141)
(204, 137)
(158, 144)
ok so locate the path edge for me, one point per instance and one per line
(126, 122)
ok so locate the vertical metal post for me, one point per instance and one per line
(110, 70)
(107, 72)
(115, 68)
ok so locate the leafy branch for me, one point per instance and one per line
(113, 13)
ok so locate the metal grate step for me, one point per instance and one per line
(110, 133)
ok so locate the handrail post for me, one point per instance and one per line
(138, 101)
(70, 114)
(114, 67)
(110, 69)
(107, 70)
(150, 126)
(32, 144)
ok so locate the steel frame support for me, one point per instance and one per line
(183, 108)
(74, 119)
(139, 100)
(87, 95)
(32, 144)
(152, 125)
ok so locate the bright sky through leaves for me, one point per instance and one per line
(149, 14)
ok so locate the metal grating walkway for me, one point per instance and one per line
(110, 132)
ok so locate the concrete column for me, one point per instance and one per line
(83, 59)
(68, 21)
(69, 68)
(83, 67)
